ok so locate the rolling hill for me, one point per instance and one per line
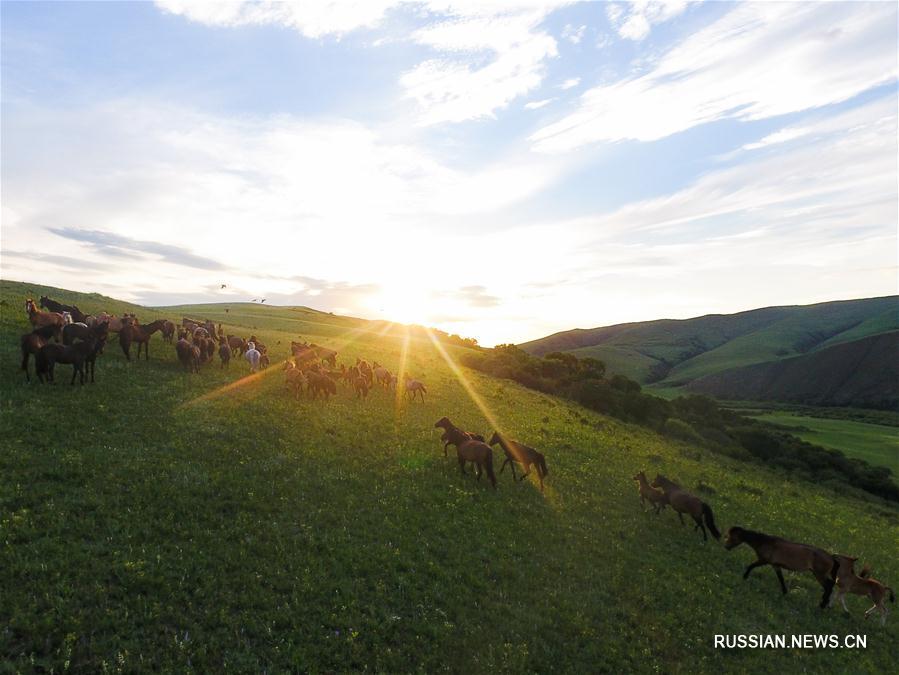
(174, 522)
(675, 353)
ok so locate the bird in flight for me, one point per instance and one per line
(263, 300)
(224, 286)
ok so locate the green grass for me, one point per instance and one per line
(163, 521)
(874, 443)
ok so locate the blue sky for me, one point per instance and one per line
(502, 170)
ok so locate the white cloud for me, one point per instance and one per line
(570, 83)
(459, 86)
(312, 18)
(634, 20)
(759, 60)
(781, 136)
(572, 34)
(534, 105)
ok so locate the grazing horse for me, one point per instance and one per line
(77, 315)
(648, 493)
(141, 335)
(788, 555)
(39, 319)
(188, 355)
(414, 387)
(684, 502)
(860, 584)
(521, 453)
(168, 331)
(32, 342)
(79, 355)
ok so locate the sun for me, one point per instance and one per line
(404, 304)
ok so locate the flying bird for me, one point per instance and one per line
(224, 286)
(263, 300)
(255, 299)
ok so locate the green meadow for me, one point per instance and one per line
(874, 443)
(161, 521)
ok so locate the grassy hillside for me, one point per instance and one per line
(669, 354)
(874, 443)
(158, 520)
(863, 372)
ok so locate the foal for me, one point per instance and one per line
(859, 584)
(788, 555)
(648, 493)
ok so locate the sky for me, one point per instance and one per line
(501, 170)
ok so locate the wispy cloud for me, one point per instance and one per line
(759, 60)
(634, 20)
(534, 105)
(570, 83)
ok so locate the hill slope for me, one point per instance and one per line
(673, 353)
(164, 521)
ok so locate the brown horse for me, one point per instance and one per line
(294, 379)
(860, 584)
(684, 502)
(32, 342)
(327, 355)
(360, 386)
(788, 555)
(168, 331)
(453, 435)
(414, 387)
(648, 493)
(481, 454)
(521, 453)
(141, 335)
(188, 355)
(40, 319)
(320, 385)
(238, 345)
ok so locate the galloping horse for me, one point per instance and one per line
(788, 555)
(684, 502)
(861, 584)
(521, 453)
(39, 319)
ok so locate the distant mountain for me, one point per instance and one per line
(710, 353)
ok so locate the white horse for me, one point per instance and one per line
(253, 356)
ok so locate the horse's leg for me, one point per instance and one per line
(700, 526)
(526, 473)
(477, 466)
(462, 464)
(681, 516)
(780, 578)
(752, 566)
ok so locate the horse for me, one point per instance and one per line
(32, 342)
(79, 355)
(648, 493)
(252, 355)
(39, 319)
(684, 502)
(294, 379)
(77, 315)
(524, 455)
(788, 555)
(382, 375)
(188, 355)
(141, 335)
(320, 384)
(168, 331)
(468, 449)
(238, 345)
(360, 386)
(414, 387)
(453, 435)
(224, 354)
(326, 355)
(860, 584)
(75, 331)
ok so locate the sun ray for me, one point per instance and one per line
(401, 373)
(236, 384)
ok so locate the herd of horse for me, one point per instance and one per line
(64, 334)
(832, 571)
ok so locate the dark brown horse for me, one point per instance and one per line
(320, 385)
(168, 331)
(224, 353)
(77, 315)
(522, 454)
(32, 342)
(78, 355)
(788, 555)
(453, 435)
(684, 502)
(141, 335)
(468, 450)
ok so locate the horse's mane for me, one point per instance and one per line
(753, 536)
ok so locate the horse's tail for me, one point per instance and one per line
(835, 569)
(541, 460)
(488, 465)
(892, 595)
(710, 520)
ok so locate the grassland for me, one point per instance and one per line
(874, 443)
(172, 522)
